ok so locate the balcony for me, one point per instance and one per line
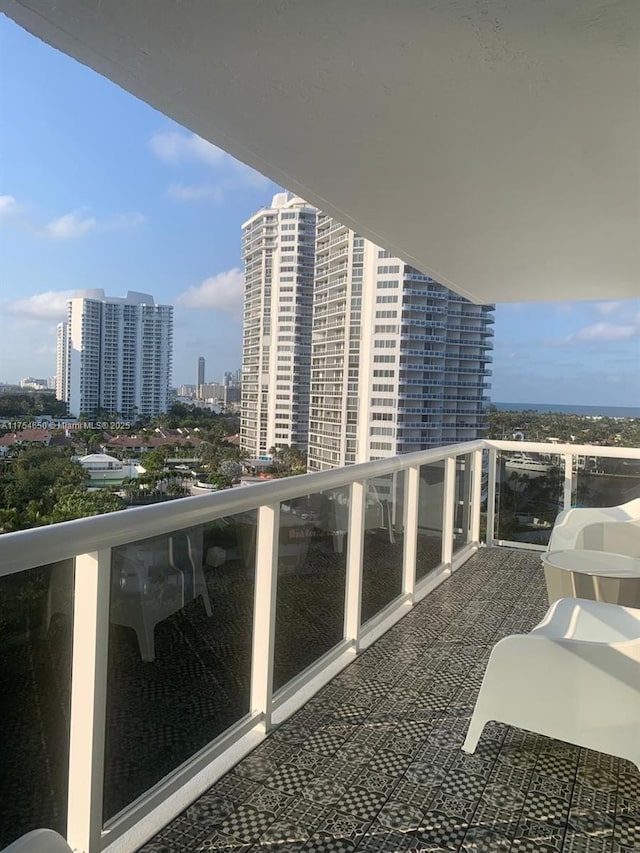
(151, 650)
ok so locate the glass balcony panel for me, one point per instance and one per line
(530, 494)
(430, 510)
(181, 621)
(312, 560)
(36, 633)
(601, 481)
(462, 506)
(383, 543)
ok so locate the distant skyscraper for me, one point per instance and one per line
(114, 355)
(62, 362)
(278, 246)
(399, 362)
(200, 371)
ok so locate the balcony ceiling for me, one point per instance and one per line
(493, 144)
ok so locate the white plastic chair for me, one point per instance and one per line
(39, 841)
(615, 528)
(575, 677)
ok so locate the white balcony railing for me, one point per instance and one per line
(322, 564)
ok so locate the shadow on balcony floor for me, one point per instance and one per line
(373, 762)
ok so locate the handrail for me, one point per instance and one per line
(560, 449)
(38, 546)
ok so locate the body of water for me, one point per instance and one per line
(568, 409)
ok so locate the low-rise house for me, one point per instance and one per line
(32, 437)
(107, 470)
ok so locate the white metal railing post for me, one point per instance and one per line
(410, 550)
(88, 699)
(355, 553)
(448, 509)
(476, 495)
(491, 496)
(568, 481)
(264, 612)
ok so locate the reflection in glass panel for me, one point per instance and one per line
(430, 509)
(529, 496)
(383, 543)
(599, 481)
(312, 560)
(36, 633)
(181, 622)
(462, 503)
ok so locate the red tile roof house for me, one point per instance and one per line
(40, 437)
(140, 443)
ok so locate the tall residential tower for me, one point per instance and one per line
(114, 355)
(399, 362)
(278, 246)
(352, 354)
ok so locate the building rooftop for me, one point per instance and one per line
(373, 762)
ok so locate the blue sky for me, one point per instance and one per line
(99, 190)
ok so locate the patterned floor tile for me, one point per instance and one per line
(590, 821)
(400, 815)
(441, 830)
(290, 779)
(626, 832)
(575, 842)
(480, 839)
(629, 784)
(323, 789)
(246, 823)
(382, 840)
(209, 811)
(502, 821)
(362, 803)
(373, 763)
(267, 799)
(389, 763)
(340, 825)
(284, 832)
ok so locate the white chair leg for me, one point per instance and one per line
(473, 735)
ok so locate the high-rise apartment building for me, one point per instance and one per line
(278, 249)
(114, 355)
(200, 372)
(61, 362)
(399, 362)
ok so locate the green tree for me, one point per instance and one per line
(73, 502)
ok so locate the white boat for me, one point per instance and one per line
(524, 464)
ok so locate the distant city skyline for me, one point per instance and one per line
(97, 190)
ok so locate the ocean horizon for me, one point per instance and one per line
(568, 409)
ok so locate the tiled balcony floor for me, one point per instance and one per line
(373, 762)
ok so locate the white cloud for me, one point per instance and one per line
(8, 206)
(606, 309)
(249, 176)
(605, 332)
(50, 305)
(70, 226)
(176, 147)
(123, 220)
(224, 291)
(76, 224)
(173, 147)
(196, 192)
